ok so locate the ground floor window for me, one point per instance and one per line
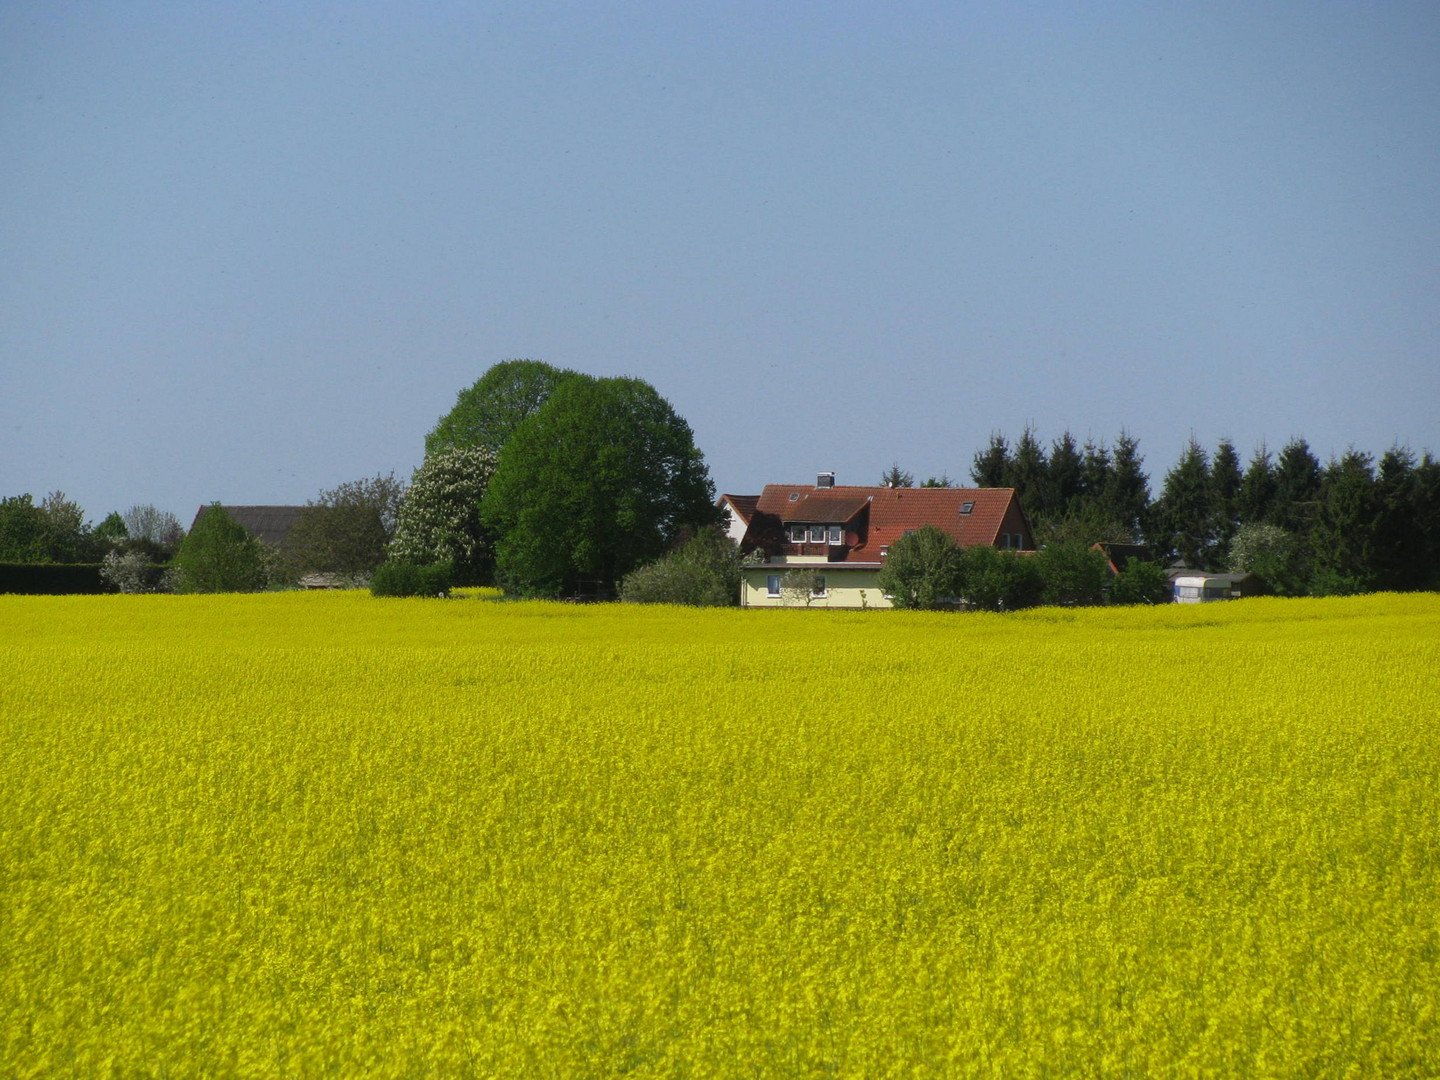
(772, 585)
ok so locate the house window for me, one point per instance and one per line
(797, 534)
(817, 534)
(837, 534)
(819, 591)
(967, 507)
(772, 584)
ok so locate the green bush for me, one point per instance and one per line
(702, 572)
(400, 578)
(1334, 583)
(1142, 583)
(923, 569)
(994, 580)
(221, 556)
(1072, 573)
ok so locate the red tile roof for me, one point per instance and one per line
(876, 517)
(743, 505)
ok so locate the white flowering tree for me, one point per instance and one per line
(440, 518)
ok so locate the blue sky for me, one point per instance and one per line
(255, 250)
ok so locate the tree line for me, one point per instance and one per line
(1353, 524)
(553, 483)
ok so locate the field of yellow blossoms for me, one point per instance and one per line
(328, 835)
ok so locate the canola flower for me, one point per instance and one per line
(329, 835)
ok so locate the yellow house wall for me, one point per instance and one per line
(842, 589)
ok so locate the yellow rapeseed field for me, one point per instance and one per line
(328, 835)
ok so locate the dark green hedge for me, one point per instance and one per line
(52, 579)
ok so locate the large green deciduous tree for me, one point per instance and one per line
(23, 531)
(603, 478)
(486, 414)
(53, 532)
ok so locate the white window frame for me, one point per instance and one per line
(797, 534)
(837, 534)
(824, 590)
(772, 586)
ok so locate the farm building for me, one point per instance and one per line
(841, 534)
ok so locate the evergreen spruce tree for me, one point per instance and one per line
(992, 464)
(1185, 513)
(1028, 474)
(1427, 519)
(1399, 556)
(1297, 488)
(1257, 488)
(1095, 473)
(1343, 537)
(1226, 483)
(896, 477)
(1066, 476)
(1127, 497)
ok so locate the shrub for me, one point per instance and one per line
(995, 580)
(401, 578)
(922, 569)
(1334, 583)
(1072, 573)
(802, 585)
(1272, 554)
(1142, 583)
(220, 555)
(132, 572)
(702, 572)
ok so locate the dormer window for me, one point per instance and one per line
(817, 534)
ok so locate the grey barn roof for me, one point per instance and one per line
(269, 523)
